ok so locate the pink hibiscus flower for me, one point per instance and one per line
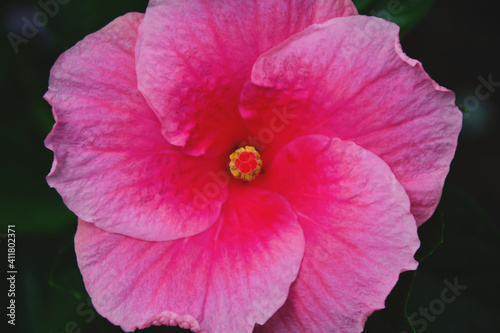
(339, 145)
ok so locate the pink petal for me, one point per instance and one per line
(193, 57)
(226, 279)
(112, 166)
(348, 78)
(358, 229)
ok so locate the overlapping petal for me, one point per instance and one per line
(112, 165)
(226, 279)
(348, 78)
(358, 229)
(193, 57)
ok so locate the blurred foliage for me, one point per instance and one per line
(405, 13)
(65, 274)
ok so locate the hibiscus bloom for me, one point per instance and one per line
(238, 165)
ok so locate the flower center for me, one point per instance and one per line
(245, 163)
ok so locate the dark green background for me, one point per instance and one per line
(455, 40)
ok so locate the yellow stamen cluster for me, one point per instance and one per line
(236, 172)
